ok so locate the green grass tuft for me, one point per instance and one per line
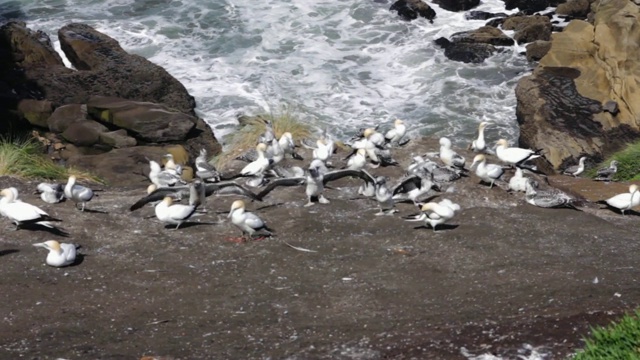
(628, 164)
(247, 137)
(24, 158)
(620, 340)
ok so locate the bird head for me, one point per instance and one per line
(261, 147)
(9, 193)
(151, 188)
(168, 200)
(50, 245)
(633, 188)
(381, 180)
(478, 159)
(362, 152)
(428, 206)
(238, 204)
(287, 135)
(203, 152)
(368, 132)
(398, 122)
(484, 124)
(502, 142)
(614, 162)
(445, 142)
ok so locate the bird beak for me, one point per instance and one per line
(230, 213)
(473, 164)
(42, 245)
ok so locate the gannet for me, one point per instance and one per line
(384, 196)
(51, 193)
(162, 178)
(359, 135)
(329, 143)
(60, 254)
(479, 144)
(368, 146)
(575, 170)
(435, 214)
(441, 174)
(549, 198)
(448, 156)
(375, 137)
(518, 182)
(288, 146)
(393, 136)
(176, 214)
(22, 213)
(607, 173)
(204, 169)
(487, 172)
(317, 176)
(321, 152)
(625, 201)
(248, 222)
(179, 192)
(357, 161)
(274, 151)
(367, 189)
(413, 187)
(268, 133)
(77, 193)
(515, 155)
(260, 165)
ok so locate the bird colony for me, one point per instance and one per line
(424, 183)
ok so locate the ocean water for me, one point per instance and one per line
(336, 64)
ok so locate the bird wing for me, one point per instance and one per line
(158, 195)
(407, 184)
(339, 174)
(494, 171)
(280, 182)
(253, 221)
(229, 188)
(69, 251)
(181, 212)
(203, 165)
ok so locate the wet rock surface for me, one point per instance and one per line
(502, 274)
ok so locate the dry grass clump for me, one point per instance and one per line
(24, 158)
(247, 136)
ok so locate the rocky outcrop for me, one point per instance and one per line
(530, 6)
(457, 5)
(111, 99)
(411, 9)
(560, 106)
(529, 28)
(537, 50)
(474, 46)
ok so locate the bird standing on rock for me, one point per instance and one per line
(489, 173)
(624, 201)
(607, 173)
(435, 214)
(515, 155)
(479, 144)
(248, 222)
(22, 213)
(77, 193)
(51, 193)
(575, 170)
(448, 156)
(393, 136)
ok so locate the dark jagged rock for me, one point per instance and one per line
(465, 52)
(482, 15)
(411, 9)
(457, 5)
(65, 115)
(496, 22)
(530, 6)
(574, 8)
(84, 133)
(483, 35)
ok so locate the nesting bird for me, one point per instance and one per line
(624, 201)
(518, 181)
(163, 178)
(77, 193)
(205, 170)
(357, 161)
(384, 196)
(248, 222)
(549, 198)
(393, 136)
(288, 146)
(60, 254)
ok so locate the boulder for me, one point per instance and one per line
(563, 114)
(457, 5)
(66, 115)
(117, 139)
(530, 6)
(36, 112)
(484, 35)
(411, 9)
(537, 49)
(84, 133)
(146, 121)
(529, 28)
(466, 52)
(574, 8)
(482, 15)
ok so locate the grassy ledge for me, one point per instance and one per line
(620, 340)
(24, 158)
(628, 164)
(247, 136)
